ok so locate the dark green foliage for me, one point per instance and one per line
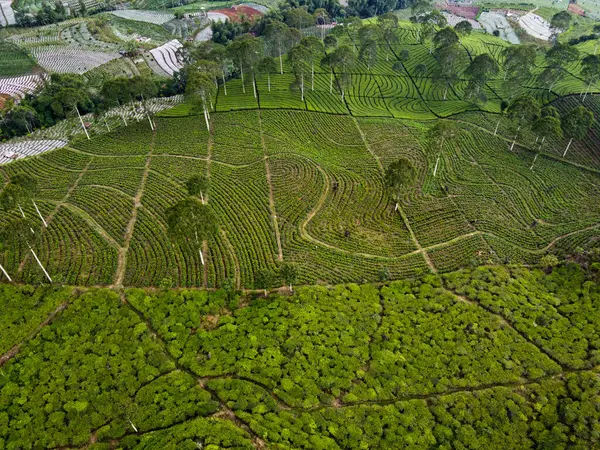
(409, 365)
(78, 374)
(24, 308)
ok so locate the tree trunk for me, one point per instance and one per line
(302, 85)
(567, 149)
(202, 197)
(445, 92)
(21, 209)
(269, 81)
(40, 264)
(436, 166)
(5, 273)
(312, 69)
(280, 62)
(396, 207)
(534, 159)
(150, 120)
(201, 255)
(224, 83)
(291, 290)
(331, 82)
(40, 214)
(342, 94)
(586, 91)
(515, 138)
(81, 121)
(254, 84)
(106, 123)
(206, 119)
(242, 72)
(497, 125)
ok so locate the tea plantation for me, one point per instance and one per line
(468, 359)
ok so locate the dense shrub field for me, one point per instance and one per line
(468, 359)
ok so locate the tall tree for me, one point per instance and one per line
(590, 71)
(344, 61)
(519, 60)
(576, 124)
(192, 222)
(557, 58)
(200, 89)
(399, 176)
(368, 53)
(246, 51)
(264, 279)
(444, 38)
(525, 110)
(267, 66)
(447, 72)
(197, 185)
(288, 273)
(546, 127)
(298, 58)
(277, 34)
(463, 28)
(560, 21)
(314, 52)
(479, 71)
(388, 23)
(443, 132)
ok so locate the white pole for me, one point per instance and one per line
(132, 425)
(5, 273)
(436, 166)
(201, 256)
(40, 264)
(22, 213)
(224, 84)
(81, 121)
(567, 149)
(206, 119)
(531, 168)
(40, 214)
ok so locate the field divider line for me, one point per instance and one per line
(525, 147)
(270, 186)
(400, 209)
(209, 148)
(58, 205)
(503, 319)
(17, 347)
(122, 256)
(224, 412)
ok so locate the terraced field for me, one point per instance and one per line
(306, 188)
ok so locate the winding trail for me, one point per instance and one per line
(400, 209)
(122, 258)
(270, 185)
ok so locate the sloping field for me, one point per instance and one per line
(320, 175)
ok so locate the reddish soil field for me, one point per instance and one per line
(575, 9)
(235, 12)
(468, 12)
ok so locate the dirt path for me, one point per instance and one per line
(61, 203)
(122, 258)
(271, 196)
(400, 209)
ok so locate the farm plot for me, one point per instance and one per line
(333, 213)
(154, 17)
(20, 149)
(71, 59)
(167, 57)
(14, 61)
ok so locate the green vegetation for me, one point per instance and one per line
(472, 358)
(14, 61)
